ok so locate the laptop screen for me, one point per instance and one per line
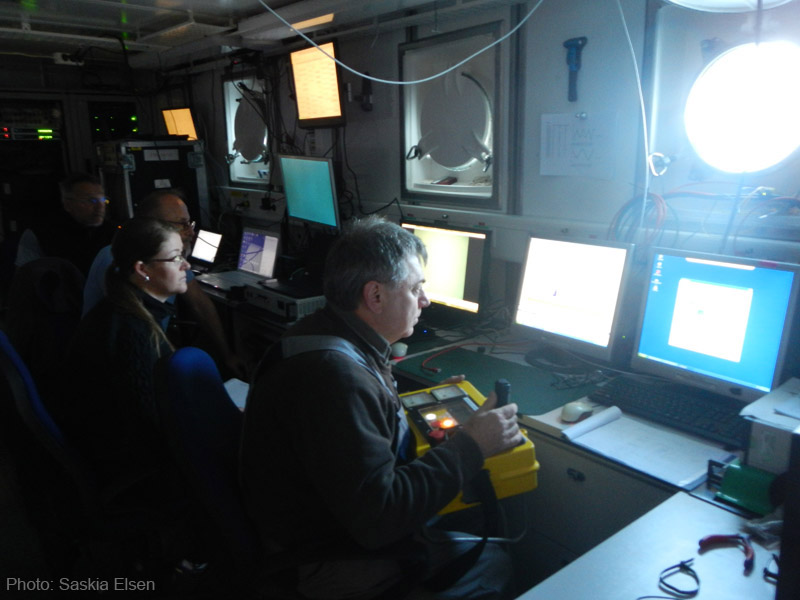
(258, 252)
(206, 246)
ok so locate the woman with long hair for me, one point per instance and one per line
(111, 415)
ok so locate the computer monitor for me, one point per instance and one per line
(572, 298)
(455, 273)
(179, 121)
(719, 323)
(206, 246)
(309, 185)
(316, 87)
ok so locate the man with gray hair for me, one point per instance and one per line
(325, 458)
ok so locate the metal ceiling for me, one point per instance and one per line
(164, 33)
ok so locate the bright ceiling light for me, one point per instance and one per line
(728, 6)
(300, 25)
(741, 114)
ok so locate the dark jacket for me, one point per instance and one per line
(110, 412)
(320, 460)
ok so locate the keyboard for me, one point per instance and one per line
(701, 413)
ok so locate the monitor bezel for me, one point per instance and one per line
(326, 121)
(617, 351)
(335, 196)
(710, 383)
(439, 311)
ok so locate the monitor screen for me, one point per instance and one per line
(206, 246)
(716, 322)
(179, 121)
(310, 189)
(571, 295)
(316, 87)
(456, 269)
(258, 252)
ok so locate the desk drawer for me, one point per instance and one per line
(583, 499)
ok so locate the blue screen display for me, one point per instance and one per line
(717, 317)
(309, 188)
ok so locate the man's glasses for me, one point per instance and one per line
(182, 224)
(177, 259)
(90, 200)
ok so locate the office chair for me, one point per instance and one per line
(43, 309)
(203, 429)
(82, 522)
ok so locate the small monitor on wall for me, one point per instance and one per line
(309, 184)
(179, 122)
(715, 322)
(317, 87)
(572, 296)
(455, 273)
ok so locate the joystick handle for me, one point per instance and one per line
(503, 390)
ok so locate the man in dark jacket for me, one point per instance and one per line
(324, 452)
(76, 231)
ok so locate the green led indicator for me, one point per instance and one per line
(134, 118)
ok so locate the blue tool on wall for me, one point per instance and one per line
(574, 48)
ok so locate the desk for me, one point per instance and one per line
(627, 564)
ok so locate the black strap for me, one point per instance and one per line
(455, 569)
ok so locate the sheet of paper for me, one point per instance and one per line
(779, 407)
(658, 451)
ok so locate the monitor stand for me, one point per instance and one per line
(554, 359)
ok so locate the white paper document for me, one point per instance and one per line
(674, 457)
(237, 390)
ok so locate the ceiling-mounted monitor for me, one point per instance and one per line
(179, 122)
(317, 87)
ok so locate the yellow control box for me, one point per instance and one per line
(434, 412)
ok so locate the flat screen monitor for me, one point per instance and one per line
(316, 87)
(715, 322)
(572, 295)
(179, 122)
(455, 273)
(206, 246)
(309, 185)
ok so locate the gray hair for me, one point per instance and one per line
(371, 249)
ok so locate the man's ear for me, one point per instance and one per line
(372, 296)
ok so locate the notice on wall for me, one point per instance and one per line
(579, 144)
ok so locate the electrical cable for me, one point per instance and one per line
(417, 81)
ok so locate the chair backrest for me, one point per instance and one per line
(43, 310)
(203, 427)
(33, 414)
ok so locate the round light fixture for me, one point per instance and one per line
(741, 114)
(728, 6)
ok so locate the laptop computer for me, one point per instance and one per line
(204, 251)
(257, 254)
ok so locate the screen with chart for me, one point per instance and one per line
(716, 322)
(258, 252)
(571, 295)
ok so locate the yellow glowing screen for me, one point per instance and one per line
(316, 83)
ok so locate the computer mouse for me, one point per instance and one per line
(576, 410)
(399, 349)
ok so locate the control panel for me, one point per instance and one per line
(437, 412)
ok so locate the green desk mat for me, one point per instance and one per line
(531, 387)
